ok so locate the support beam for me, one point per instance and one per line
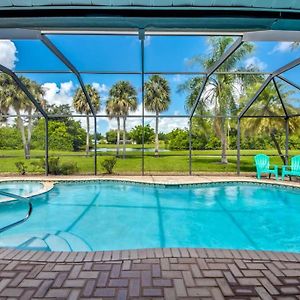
(260, 90)
(46, 147)
(95, 146)
(238, 147)
(22, 86)
(222, 59)
(199, 96)
(280, 98)
(287, 133)
(190, 147)
(142, 40)
(19, 34)
(69, 65)
(289, 82)
(287, 67)
(276, 73)
(272, 36)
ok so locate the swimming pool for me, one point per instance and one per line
(104, 215)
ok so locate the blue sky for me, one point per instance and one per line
(122, 53)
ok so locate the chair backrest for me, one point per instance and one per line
(262, 161)
(295, 163)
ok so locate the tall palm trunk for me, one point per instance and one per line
(124, 137)
(87, 147)
(223, 142)
(29, 132)
(273, 137)
(156, 134)
(21, 127)
(118, 137)
(224, 149)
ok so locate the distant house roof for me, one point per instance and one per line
(224, 15)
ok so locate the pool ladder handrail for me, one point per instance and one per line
(17, 197)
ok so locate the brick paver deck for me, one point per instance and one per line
(151, 273)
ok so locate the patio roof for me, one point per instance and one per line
(136, 4)
(207, 15)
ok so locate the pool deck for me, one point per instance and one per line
(150, 273)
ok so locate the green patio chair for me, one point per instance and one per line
(262, 163)
(293, 169)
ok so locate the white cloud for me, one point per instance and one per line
(254, 61)
(282, 47)
(101, 88)
(168, 124)
(8, 53)
(59, 94)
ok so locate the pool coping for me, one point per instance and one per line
(50, 181)
(116, 255)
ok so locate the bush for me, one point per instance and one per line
(57, 168)
(108, 164)
(69, 168)
(10, 138)
(22, 168)
(54, 166)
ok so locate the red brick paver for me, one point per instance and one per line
(150, 273)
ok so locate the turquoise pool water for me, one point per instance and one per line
(21, 188)
(113, 215)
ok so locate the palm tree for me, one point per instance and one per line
(268, 104)
(157, 100)
(113, 111)
(122, 99)
(12, 97)
(81, 106)
(220, 96)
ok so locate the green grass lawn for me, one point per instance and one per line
(171, 161)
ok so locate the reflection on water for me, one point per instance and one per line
(130, 149)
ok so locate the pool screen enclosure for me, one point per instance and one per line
(165, 18)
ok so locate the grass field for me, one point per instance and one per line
(169, 162)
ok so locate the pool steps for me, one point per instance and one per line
(60, 241)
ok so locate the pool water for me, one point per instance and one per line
(21, 188)
(89, 216)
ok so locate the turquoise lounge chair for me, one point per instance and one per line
(293, 169)
(262, 163)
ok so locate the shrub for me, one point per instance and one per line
(54, 166)
(22, 168)
(108, 164)
(57, 168)
(69, 168)
(37, 165)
